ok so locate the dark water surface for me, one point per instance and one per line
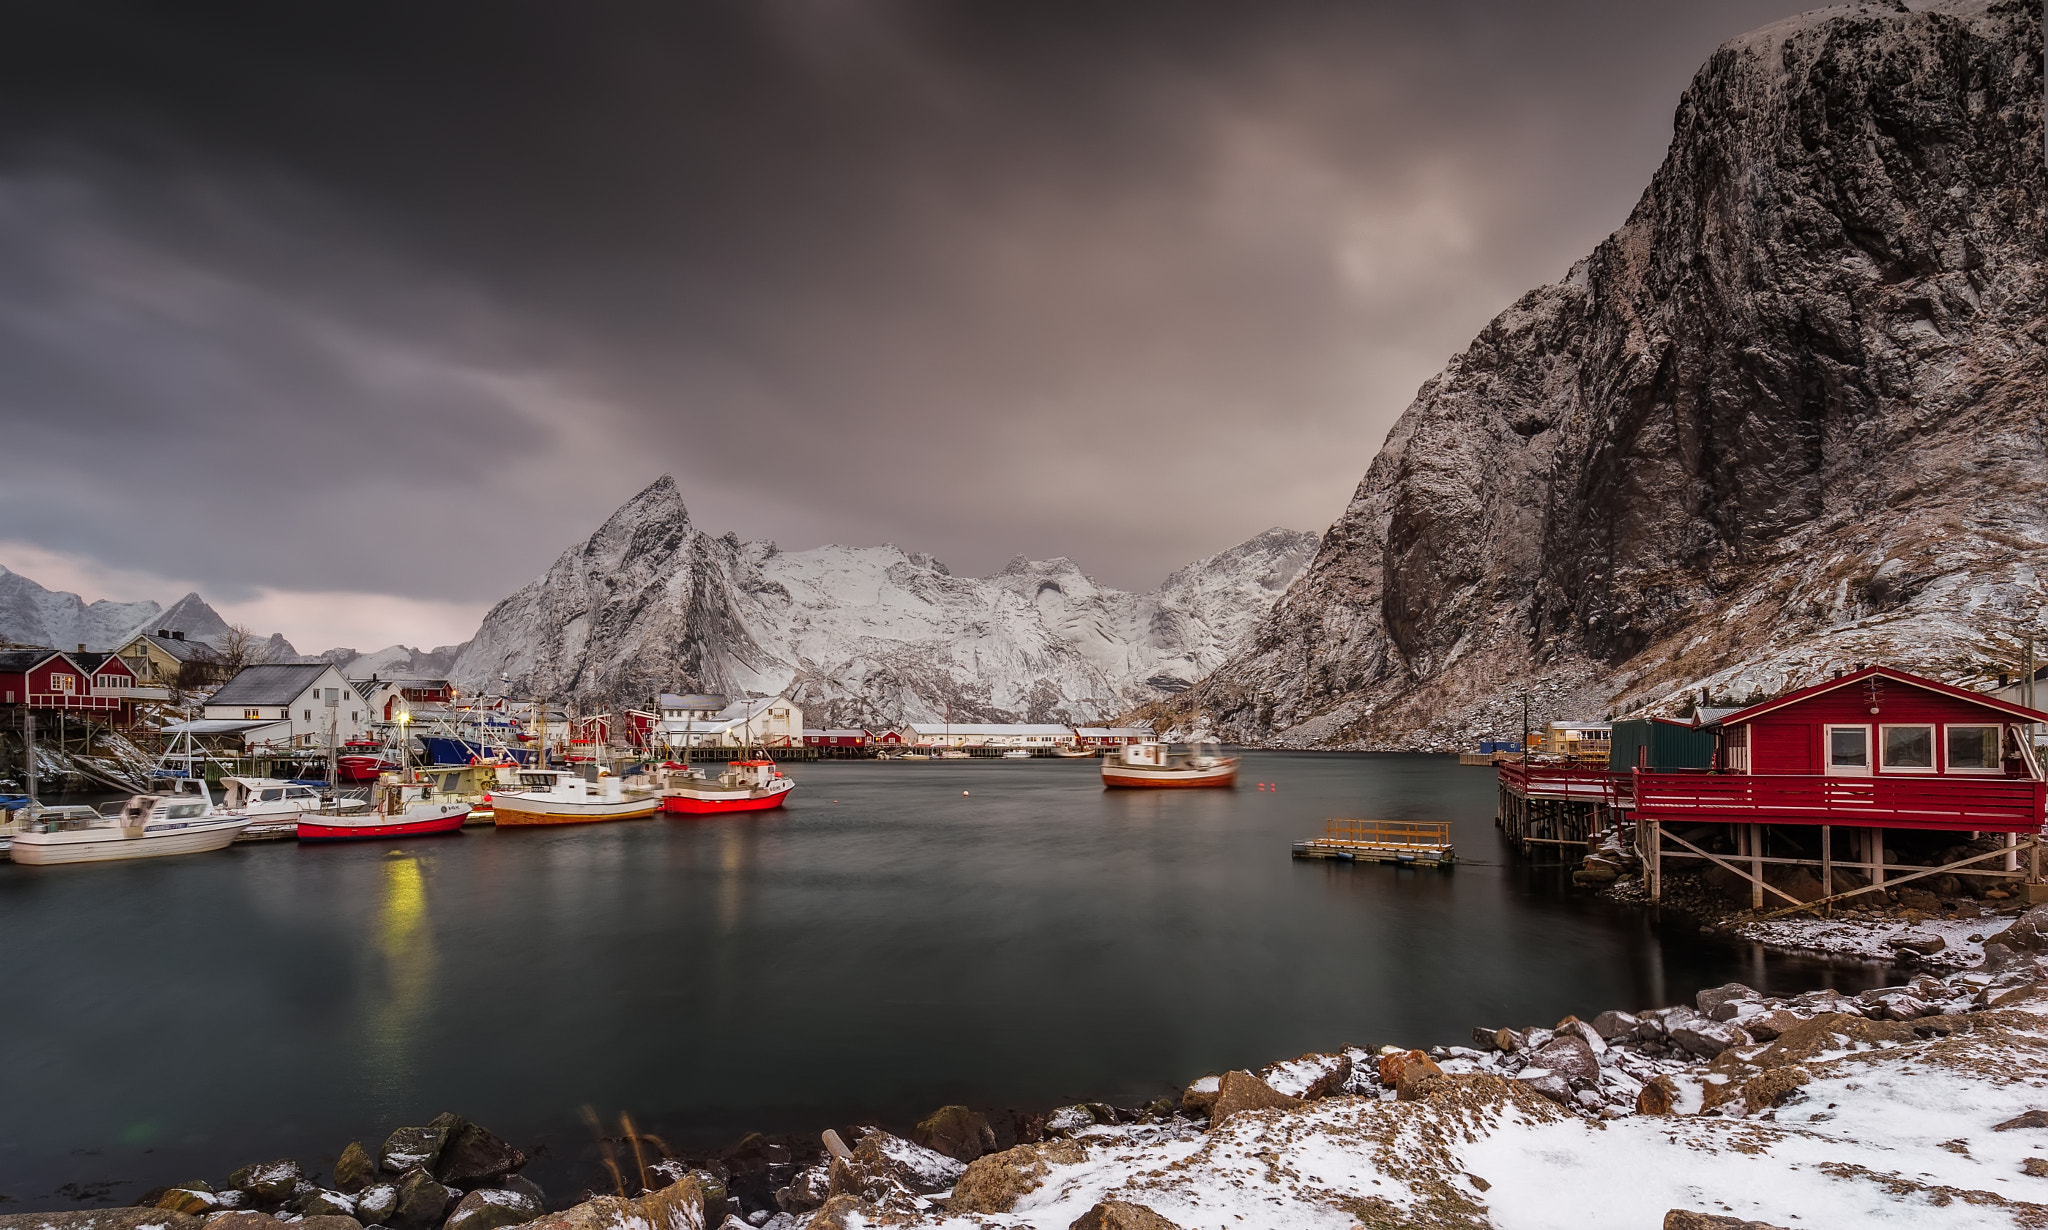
(884, 945)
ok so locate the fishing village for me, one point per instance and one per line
(994, 616)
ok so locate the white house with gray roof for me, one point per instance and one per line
(296, 694)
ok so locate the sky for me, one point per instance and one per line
(352, 316)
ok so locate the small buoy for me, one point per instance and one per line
(963, 794)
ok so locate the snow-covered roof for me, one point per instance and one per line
(269, 683)
(1707, 716)
(1114, 732)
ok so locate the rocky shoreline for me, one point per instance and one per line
(1921, 1104)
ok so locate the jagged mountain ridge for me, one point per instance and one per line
(1786, 418)
(862, 634)
(395, 662)
(33, 615)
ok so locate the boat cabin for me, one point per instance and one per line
(266, 794)
(1152, 755)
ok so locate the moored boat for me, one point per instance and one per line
(145, 826)
(404, 809)
(1017, 753)
(363, 761)
(1074, 753)
(746, 785)
(556, 796)
(1152, 766)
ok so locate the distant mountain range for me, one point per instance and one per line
(863, 634)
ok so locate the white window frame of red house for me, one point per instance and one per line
(63, 682)
(1827, 750)
(1997, 768)
(1933, 765)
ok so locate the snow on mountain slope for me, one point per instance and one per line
(864, 634)
(32, 615)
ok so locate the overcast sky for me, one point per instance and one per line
(354, 315)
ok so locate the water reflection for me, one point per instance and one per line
(405, 941)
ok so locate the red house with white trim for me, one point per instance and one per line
(96, 684)
(1874, 749)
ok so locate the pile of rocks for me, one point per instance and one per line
(451, 1174)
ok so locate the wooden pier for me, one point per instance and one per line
(1554, 804)
(1422, 843)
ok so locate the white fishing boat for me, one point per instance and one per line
(1153, 766)
(268, 800)
(146, 826)
(1074, 753)
(556, 796)
(746, 785)
(955, 753)
(1017, 753)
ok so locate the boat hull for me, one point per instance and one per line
(713, 804)
(362, 768)
(110, 845)
(513, 811)
(373, 828)
(1137, 777)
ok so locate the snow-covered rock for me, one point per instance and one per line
(863, 635)
(32, 615)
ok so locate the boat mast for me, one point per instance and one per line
(28, 751)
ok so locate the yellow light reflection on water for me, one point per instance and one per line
(405, 941)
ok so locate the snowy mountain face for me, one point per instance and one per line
(395, 662)
(863, 635)
(32, 615)
(1785, 420)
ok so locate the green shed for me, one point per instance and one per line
(1670, 744)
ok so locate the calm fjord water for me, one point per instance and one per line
(884, 945)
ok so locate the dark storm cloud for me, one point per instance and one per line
(293, 292)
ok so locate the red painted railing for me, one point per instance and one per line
(1985, 804)
(1540, 779)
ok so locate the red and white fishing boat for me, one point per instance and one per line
(746, 785)
(1149, 766)
(364, 760)
(404, 809)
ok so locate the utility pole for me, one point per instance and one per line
(1525, 727)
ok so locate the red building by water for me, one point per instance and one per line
(1823, 773)
(98, 685)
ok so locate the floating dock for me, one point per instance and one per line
(1424, 843)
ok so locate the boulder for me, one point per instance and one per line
(355, 1169)
(882, 1161)
(322, 1202)
(275, 1182)
(957, 1132)
(1197, 1098)
(1686, 1219)
(324, 1221)
(1613, 1026)
(805, 1191)
(1547, 1083)
(1068, 1120)
(2032, 1119)
(1906, 1008)
(1568, 1056)
(1717, 1003)
(475, 1157)
(1705, 1038)
(1309, 1077)
(245, 1219)
(103, 1219)
(1574, 1027)
(489, 1208)
(1773, 1088)
(1926, 943)
(1657, 1097)
(1766, 1026)
(993, 1183)
(1241, 1091)
(1117, 1215)
(1412, 1080)
(376, 1203)
(2028, 933)
(1829, 1032)
(679, 1206)
(418, 1146)
(839, 1213)
(188, 1198)
(422, 1202)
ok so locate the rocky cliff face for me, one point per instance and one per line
(863, 634)
(1788, 417)
(32, 615)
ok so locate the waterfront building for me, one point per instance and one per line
(986, 734)
(1113, 736)
(1586, 741)
(757, 721)
(282, 704)
(386, 697)
(95, 685)
(839, 738)
(161, 658)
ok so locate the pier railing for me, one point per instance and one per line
(1538, 779)
(1982, 804)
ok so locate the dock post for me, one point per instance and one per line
(1756, 866)
(1827, 863)
(2012, 851)
(1656, 830)
(1877, 857)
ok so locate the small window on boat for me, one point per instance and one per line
(272, 796)
(298, 792)
(180, 811)
(1973, 747)
(1909, 748)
